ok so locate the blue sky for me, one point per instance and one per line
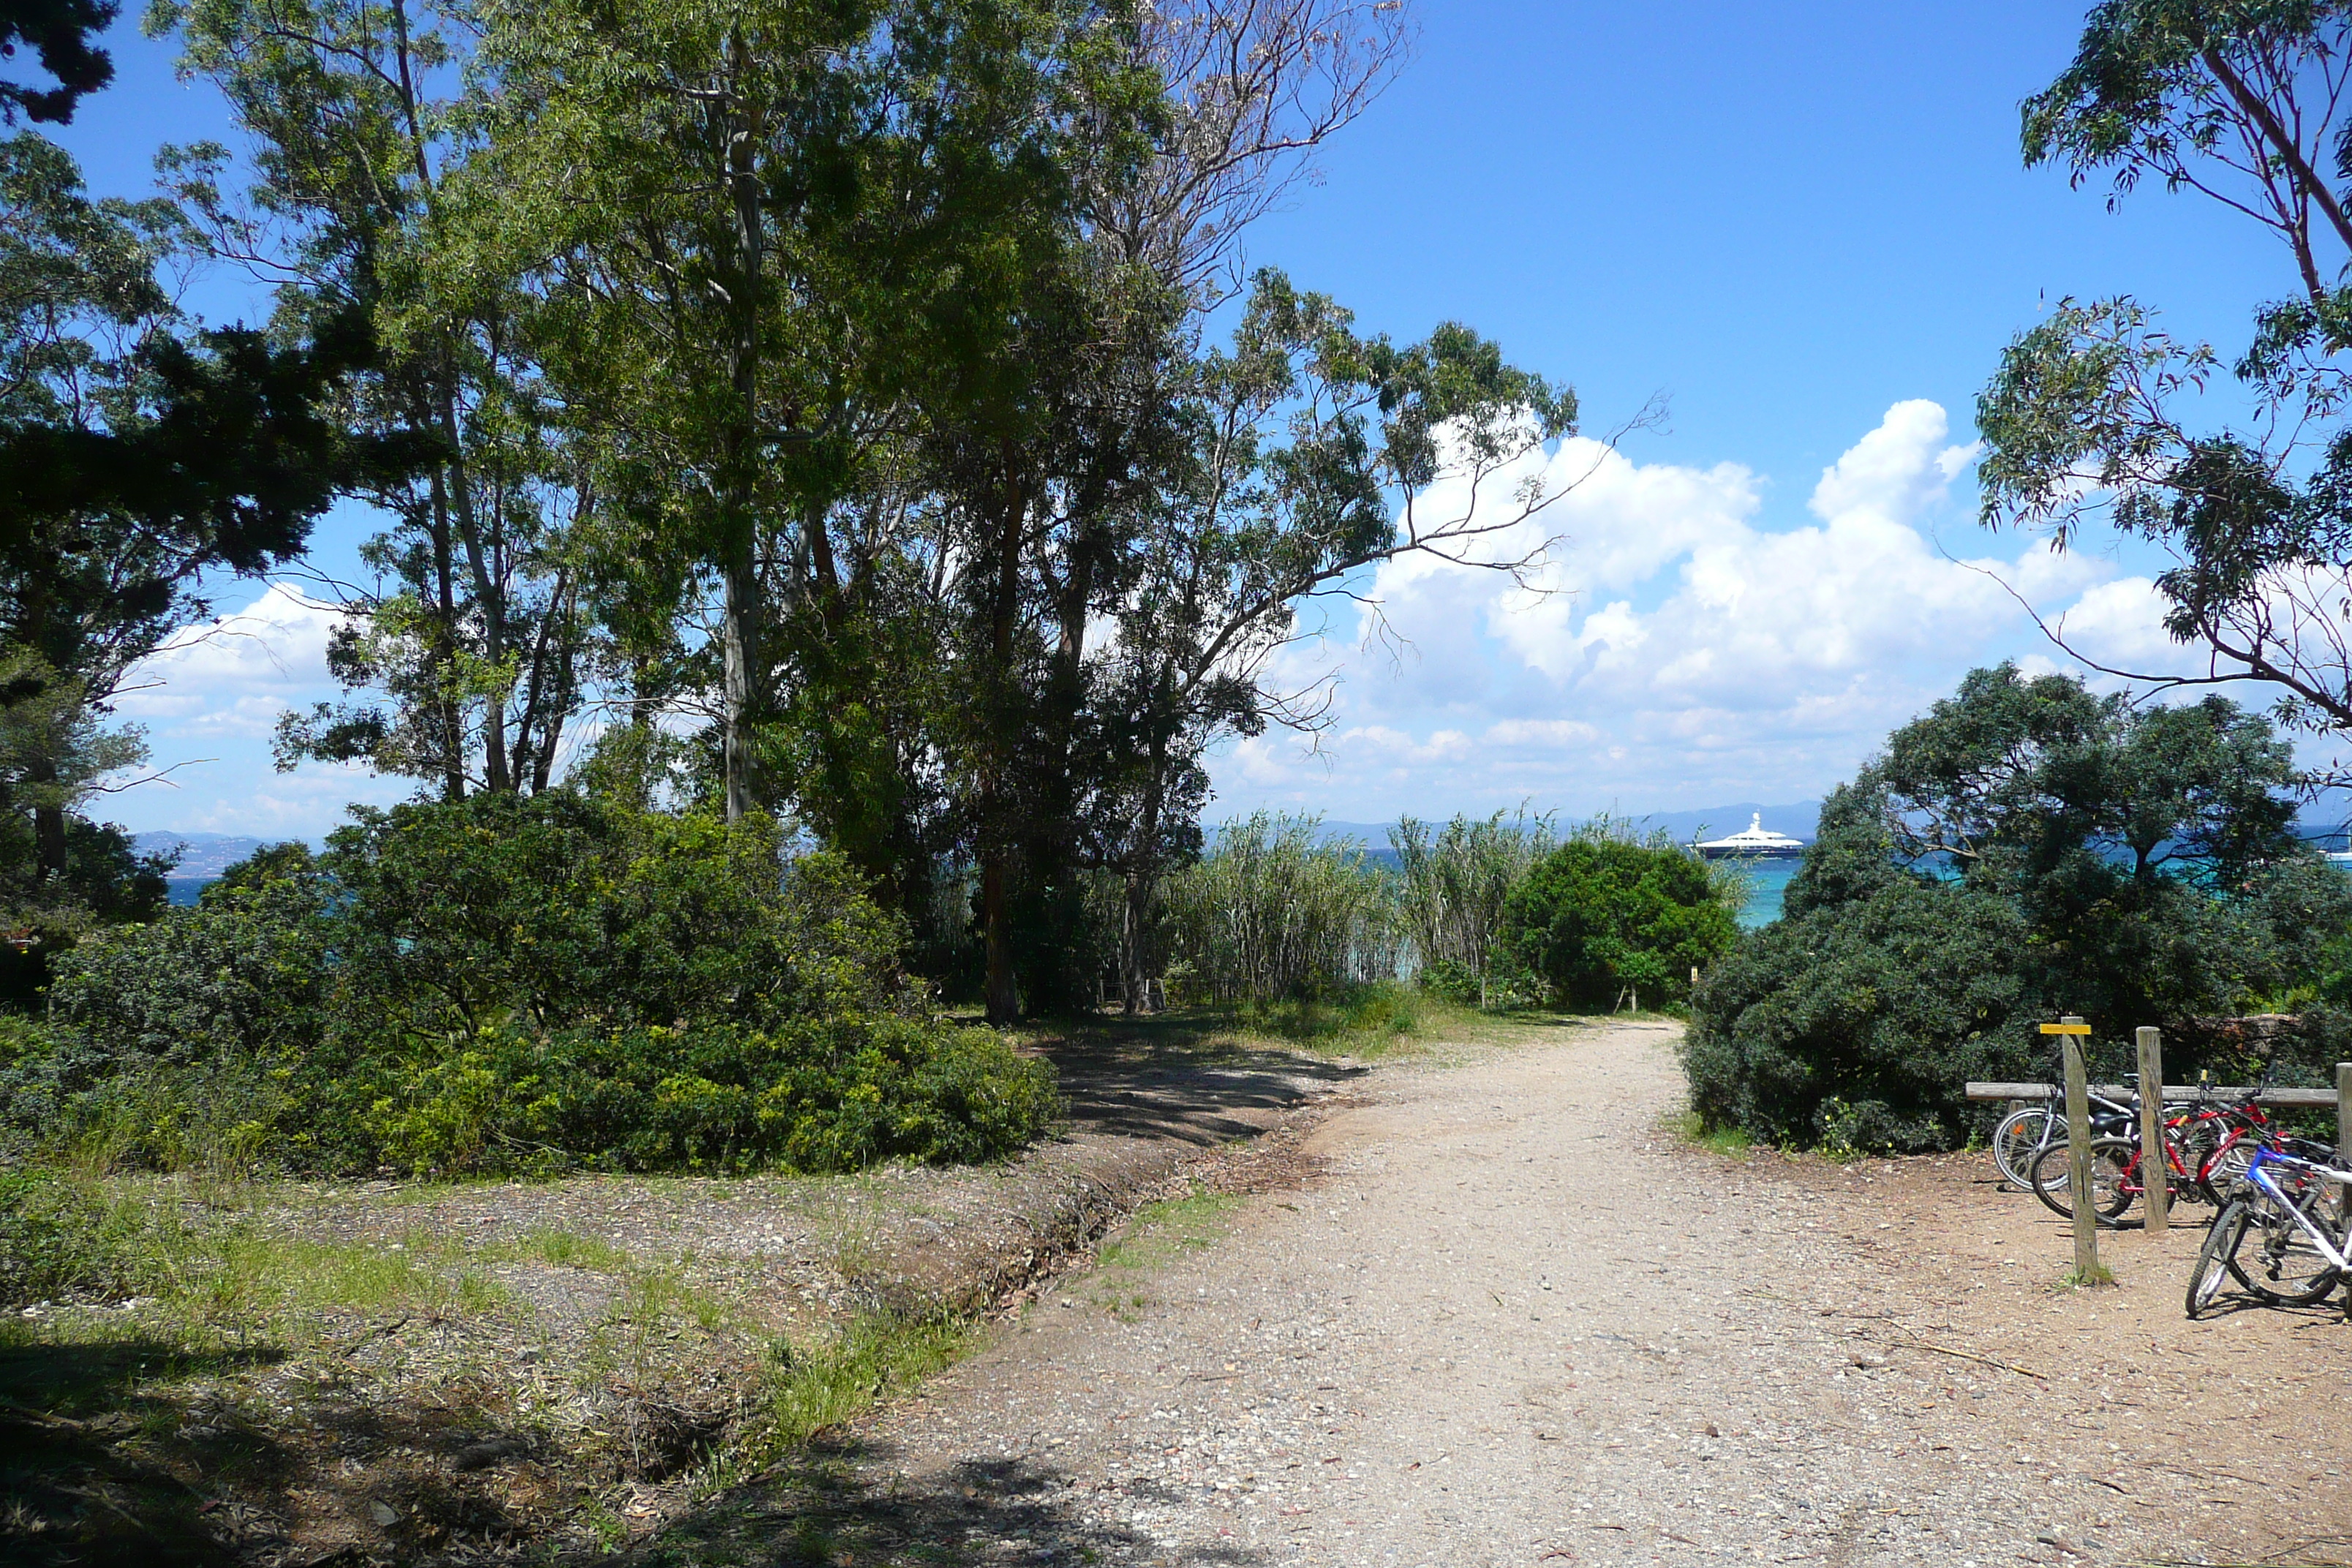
(1807, 226)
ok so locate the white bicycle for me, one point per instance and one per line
(2291, 1202)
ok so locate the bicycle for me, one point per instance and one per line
(2027, 1133)
(2206, 1147)
(2293, 1195)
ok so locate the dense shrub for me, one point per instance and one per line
(507, 982)
(105, 882)
(245, 971)
(837, 1094)
(562, 908)
(1607, 916)
(1886, 1005)
(2025, 850)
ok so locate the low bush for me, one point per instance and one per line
(1380, 1009)
(836, 1094)
(507, 982)
(1607, 917)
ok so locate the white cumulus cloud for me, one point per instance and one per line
(1676, 648)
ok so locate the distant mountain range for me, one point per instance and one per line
(203, 855)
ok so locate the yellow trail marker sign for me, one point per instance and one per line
(2065, 1028)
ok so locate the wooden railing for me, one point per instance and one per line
(2076, 1092)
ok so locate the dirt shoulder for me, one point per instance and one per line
(1508, 1318)
(383, 1372)
(2227, 1434)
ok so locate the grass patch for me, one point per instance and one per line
(657, 1295)
(2078, 1279)
(238, 1274)
(1164, 1231)
(814, 1387)
(1159, 1234)
(1729, 1142)
(564, 1249)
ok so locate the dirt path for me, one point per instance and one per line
(1513, 1322)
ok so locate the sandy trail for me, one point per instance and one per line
(1515, 1322)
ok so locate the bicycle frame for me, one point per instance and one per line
(2261, 1177)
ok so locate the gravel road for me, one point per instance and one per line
(1512, 1321)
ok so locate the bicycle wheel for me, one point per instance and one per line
(2218, 1258)
(2112, 1179)
(2284, 1265)
(2017, 1141)
(2225, 1167)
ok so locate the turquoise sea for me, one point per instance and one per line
(1767, 879)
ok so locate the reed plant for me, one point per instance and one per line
(1452, 884)
(1270, 914)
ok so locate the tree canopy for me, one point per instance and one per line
(2026, 848)
(861, 406)
(59, 32)
(2093, 414)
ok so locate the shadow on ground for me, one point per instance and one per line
(78, 1480)
(113, 1455)
(831, 1512)
(1180, 1078)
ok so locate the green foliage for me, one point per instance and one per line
(517, 982)
(141, 464)
(563, 908)
(819, 1386)
(1885, 1004)
(842, 1094)
(1271, 915)
(2099, 416)
(1359, 1016)
(2024, 850)
(58, 1237)
(61, 33)
(243, 973)
(1453, 889)
(1607, 916)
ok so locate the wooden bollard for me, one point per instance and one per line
(2073, 1031)
(2154, 1170)
(2343, 1111)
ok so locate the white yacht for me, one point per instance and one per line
(1756, 840)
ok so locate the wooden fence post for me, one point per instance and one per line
(2154, 1170)
(2343, 1111)
(2078, 1158)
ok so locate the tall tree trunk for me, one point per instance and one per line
(490, 596)
(48, 821)
(739, 646)
(1142, 881)
(446, 708)
(1003, 991)
(742, 614)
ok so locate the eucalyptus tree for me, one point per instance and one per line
(1050, 485)
(2098, 414)
(1314, 454)
(471, 628)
